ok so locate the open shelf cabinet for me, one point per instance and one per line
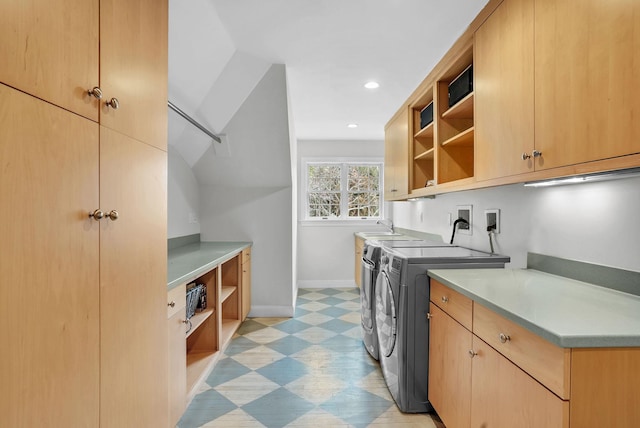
(422, 156)
(212, 329)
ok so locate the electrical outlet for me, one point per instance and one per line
(465, 212)
(492, 220)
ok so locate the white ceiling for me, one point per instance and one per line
(331, 48)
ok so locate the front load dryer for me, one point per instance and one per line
(402, 303)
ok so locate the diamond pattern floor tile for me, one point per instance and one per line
(307, 371)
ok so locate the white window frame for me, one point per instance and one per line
(344, 218)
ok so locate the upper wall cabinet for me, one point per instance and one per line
(587, 69)
(52, 58)
(396, 156)
(504, 140)
(132, 46)
(105, 44)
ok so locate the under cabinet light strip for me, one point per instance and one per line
(587, 178)
(193, 122)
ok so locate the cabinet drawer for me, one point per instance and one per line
(547, 363)
(176, 300)
(458, 306)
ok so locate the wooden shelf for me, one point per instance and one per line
(426, 155)
(426, 132)
(229, 327)
(198, 318)
(463, 109)
(199, 364)
(463, 139)
(227, 291)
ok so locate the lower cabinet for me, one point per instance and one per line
(505, 396)
(177, 328)
(195, 344)
(492, 373)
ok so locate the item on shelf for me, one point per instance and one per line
(193, 296)
(202, 301)
(426, 115)
(461, 86)
(430, 183)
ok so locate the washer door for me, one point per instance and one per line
(385, 315)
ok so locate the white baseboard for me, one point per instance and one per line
(271, 311)
(335, 283)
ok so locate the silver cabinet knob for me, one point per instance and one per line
(445, 299)
(472, 353)
(171, 304)
(113, 215)
(95, 92)
(525, 156)
(113, 103)
(504, 338)
(536, 154)
(97, 215)
(429, 316)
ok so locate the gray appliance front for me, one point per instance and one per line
(402, 303)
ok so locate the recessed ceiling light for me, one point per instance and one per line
(372, 85)
(352, 125)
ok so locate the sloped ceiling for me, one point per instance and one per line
(220, 49)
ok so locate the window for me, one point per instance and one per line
(343, 190)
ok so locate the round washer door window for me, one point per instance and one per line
(385, 315)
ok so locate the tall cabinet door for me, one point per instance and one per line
(133, 68)
(49, 48)
(133, 283)
(503, 87)
(49, 294)
(587, 72)
(396, 157)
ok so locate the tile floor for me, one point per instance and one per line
(307, 371)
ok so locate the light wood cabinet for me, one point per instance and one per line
(449, 368)
(586, 80)
(515, 378)
(94, 290)
(359, 252)
(58, 50)
(246, 283)
(50, 49)
(504, 89)
(505, 396)
(396, 156)
(49, 266)
(177, 329)
(133, 278)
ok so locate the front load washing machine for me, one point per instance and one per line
(370, 270)
(402, 303)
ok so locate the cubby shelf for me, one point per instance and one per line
(463, 139)
(198, 319)
(426, 132)
(426, 155)
(463, 109)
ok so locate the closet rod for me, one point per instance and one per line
(193, 122)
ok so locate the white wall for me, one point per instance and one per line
(326, 252)
(183, 198)
(595, 222)
(247, 194)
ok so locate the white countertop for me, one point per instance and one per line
(568, 313)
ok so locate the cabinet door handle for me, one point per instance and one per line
(95, 92)
(171, 304)
(536, 154)
(113, 215)
(113, 103)
(429, 316)
(97, 215)
(525, 156)
(504, 338)
(472, 353)
(445, 299)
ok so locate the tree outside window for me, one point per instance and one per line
(343, 191)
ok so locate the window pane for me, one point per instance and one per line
(323, 177)
(324, 204)
(363, 177)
